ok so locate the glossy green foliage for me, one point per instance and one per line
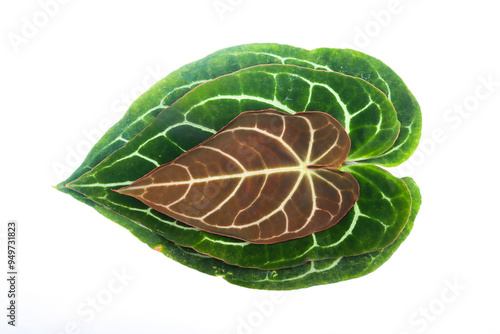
(377, 110)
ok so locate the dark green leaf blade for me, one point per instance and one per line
(152, 148)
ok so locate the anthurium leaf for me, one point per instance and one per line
(288, 189)
(166, 91)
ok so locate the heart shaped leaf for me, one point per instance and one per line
(289, 188)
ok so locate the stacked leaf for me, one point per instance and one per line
(377, 111)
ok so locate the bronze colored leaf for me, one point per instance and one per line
(266, 177)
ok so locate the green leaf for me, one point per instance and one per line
(152, 148)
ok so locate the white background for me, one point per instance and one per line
(62, 82)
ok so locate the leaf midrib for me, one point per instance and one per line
(303, 169)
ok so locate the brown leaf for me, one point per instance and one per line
(266, 177)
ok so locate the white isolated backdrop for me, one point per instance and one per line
(69, 69)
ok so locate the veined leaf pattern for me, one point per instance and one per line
(161, 142)
(289, 189)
